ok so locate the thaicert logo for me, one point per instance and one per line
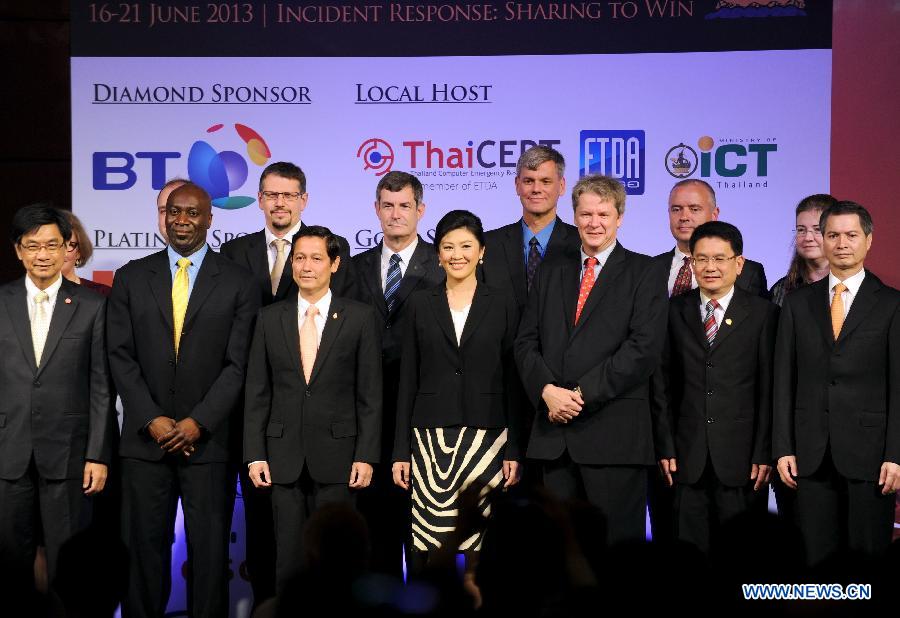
(377, 155)
(219, 172)
(619, 154)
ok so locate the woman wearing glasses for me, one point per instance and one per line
(78, 251)
(808, 264)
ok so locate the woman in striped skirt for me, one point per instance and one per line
(458, 406)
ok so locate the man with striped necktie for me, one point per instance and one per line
(712, 430)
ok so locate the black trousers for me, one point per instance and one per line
(31, 503)
(386, 509)
(150, 491)
(619, 492)
(701, 507)
(836, 514)
(260, 537)
(661, 505)
(292, 505)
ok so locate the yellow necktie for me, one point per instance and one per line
(39, 325)
(280, 260)
(837, 309)
(309, 342)
(180, 298)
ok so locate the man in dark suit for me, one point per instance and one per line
(590, 338)
(312, 426)
(56, 422)
(179, 331)
(386, 275)
(282, 198)
(692, 202)
(714, 435)
(837, 396)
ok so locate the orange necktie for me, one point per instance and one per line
(587, 282)
(837, 309)
(309, 342)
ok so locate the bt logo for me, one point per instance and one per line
(219, 172)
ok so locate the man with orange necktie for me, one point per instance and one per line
(312, 414)
(590, 338)
(837, 396)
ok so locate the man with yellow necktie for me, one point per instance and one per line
(837, 396)
(179, 326)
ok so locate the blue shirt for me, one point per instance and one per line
(196, 259)
(543, 237)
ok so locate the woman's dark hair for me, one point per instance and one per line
(796, 275)
(458, 220)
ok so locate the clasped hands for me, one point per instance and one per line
(175, 436)
(563, 404)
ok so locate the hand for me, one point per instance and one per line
(259, 474)
(400, 472)
(667, 468)
(181, 437)
(787, 470)
(761, 473)
(159, 427)
(889, 477)
(360, 475)
(562, 404)
(94, 478)
(512, 472)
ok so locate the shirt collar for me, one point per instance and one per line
(322, 305)
(52, 290)
(196, 257)
(289, 236)
(602, 256)
(723, 302)
(678, 257)
(543, 236)
(852, 283)
(405, 254)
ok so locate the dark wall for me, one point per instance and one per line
(36, 158)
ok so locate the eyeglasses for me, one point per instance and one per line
(715, 261)
(71, 246)
(34, 248)
(289, 197)
(802, 231)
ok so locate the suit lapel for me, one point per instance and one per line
(569, 285)
(441, 310)
(559, 240)
(866, 299)
(608, 274)
(372, 279)
(818, 306)
(480, 305)
(160, 282)
(207, 279)
(690, 313)
(737, 312)
(17, 307)
(333, 323)
(290, 326)
(415, 270)
(62, 315)
(258, 260)
(513, 249)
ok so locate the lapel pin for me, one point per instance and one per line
(68, 301)
(334, 316)
(728, 321)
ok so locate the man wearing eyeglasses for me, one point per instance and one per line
(282, 199)
(56, 421)
(713, 428)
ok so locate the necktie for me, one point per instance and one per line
(587, 282)
(683, 279)
(837, 309)
(309, 342)
(280, 245)
(39, 325)
(392, 282)
(180, 288)
(709, 322)
(534, 260)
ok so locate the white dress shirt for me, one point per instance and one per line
(602, 258)
(272, 252)
(852, 290)
(405, 256)
(675, 266)
(459, 321)
(52, 292)
(323, 304)
(718, 312)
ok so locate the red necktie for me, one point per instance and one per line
(709, 322)
(683, 280)
(587, 282)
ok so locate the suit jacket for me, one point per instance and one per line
(844, 394)
(250, 251)
(610, 354)
(330, 422)
(470, 384)
(60, 411)
(717, 398)
(205, 382)
(752, 278)
(504, 256)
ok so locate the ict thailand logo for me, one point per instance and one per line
(728, 163)
(220, 173)
(377, 155)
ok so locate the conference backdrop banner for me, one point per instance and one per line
(650, 92)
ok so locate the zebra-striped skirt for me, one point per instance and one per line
(445, 461)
